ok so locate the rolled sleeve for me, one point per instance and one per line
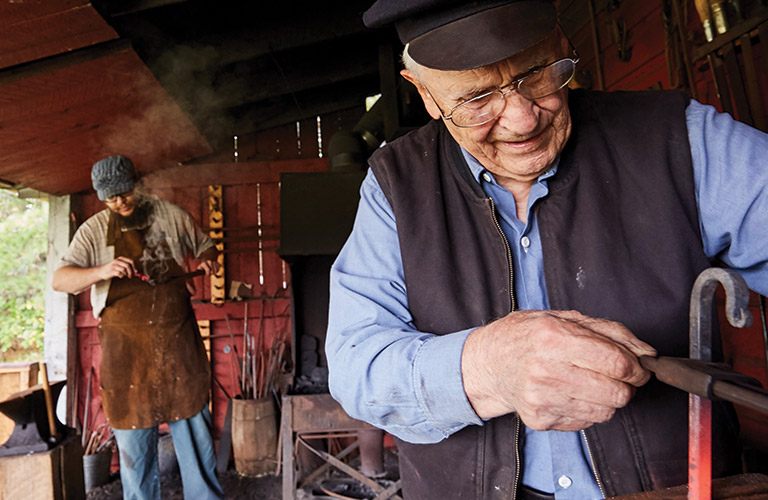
(437, 378)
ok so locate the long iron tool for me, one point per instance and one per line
(699, 378)
(168, 279)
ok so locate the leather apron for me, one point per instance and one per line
(154, 367)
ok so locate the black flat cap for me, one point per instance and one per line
(456, 35)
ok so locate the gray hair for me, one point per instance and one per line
(412, 65)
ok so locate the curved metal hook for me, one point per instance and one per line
(702, 296)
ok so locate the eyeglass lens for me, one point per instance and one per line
(542, 83)
(122, 196)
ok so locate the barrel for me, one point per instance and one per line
(254, 436)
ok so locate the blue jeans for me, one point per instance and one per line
(139, 470)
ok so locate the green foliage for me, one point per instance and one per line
(23, 249)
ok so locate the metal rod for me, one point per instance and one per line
(699, 448)
(258, 219)
(285, 284)
(246, 348)
(87, 404)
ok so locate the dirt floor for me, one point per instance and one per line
(331, 486)
(236, 487)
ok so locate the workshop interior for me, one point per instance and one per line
(259, 120)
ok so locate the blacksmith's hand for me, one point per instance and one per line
(559, 370)
(209, 266)
(121, 267)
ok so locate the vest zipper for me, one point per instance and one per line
(509, 255)
(517, 457)
(592, 464)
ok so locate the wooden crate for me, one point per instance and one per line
(56, 474)
(14, 377)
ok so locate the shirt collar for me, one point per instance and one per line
(478, 169)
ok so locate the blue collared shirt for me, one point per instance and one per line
(408, 382)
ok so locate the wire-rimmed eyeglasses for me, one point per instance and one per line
(122, 196)
(539, 83)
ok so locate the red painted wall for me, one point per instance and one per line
(654, 51)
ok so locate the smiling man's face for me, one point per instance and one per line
(524, 140)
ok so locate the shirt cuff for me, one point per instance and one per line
(439, 385)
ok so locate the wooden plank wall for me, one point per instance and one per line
(655, 56)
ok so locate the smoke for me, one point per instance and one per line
(188, 73)
(165, 114)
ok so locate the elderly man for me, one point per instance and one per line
(154, 368)
(512, 259)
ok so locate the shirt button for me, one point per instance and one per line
(487, 177)
(525, 242)
(564, 481)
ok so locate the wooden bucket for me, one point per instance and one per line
(254, 436)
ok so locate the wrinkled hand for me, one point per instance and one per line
(121, 267)
(559, 370)
(209, 266)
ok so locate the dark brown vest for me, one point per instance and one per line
(621, 241)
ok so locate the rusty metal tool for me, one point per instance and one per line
(162, 281)
(716, 381)
(700, 350)
(700, 409)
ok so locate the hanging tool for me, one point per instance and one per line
(54, 437)
(87, 405)
(258, 221)
(237, 360)
(246, 357)
(681, 27)
(719, 15)
(285, 283)
(596, 46)
(702, 7)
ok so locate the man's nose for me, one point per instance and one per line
(519, 114)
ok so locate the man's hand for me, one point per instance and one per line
(559, 370)
(209, 266)
(121, 267)
(73, 279)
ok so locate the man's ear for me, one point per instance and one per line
(429, 103)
